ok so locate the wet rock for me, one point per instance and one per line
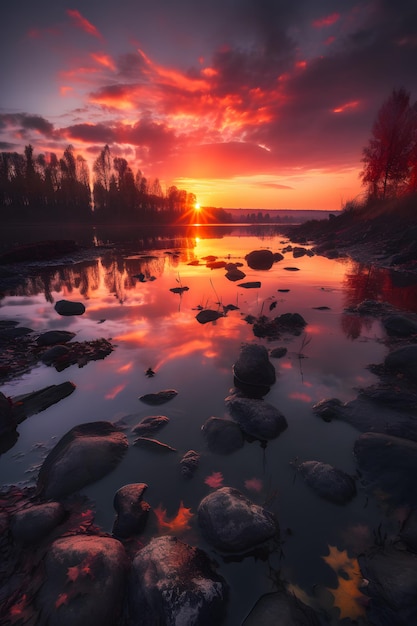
(292, 269)
(85, 582)
(8, 422)
(66, 307)
(132, 511)
(278, 353)
(85, 454)
(328, 409)
(32, 403)
(400, 325)
(291, 323)
(153, 445)
(257, 418)
(254, 369)
(208, 315)
(389, 464)
(50, 356)
(189, 463)
(230, 522)
(291, 611)
(260, 259)
(253, 284)
(403, 361)
(409, 531)
(328, 482)
(392, 585)
(277, 256)
(179, 289)
(234, 274)
(32, 524)
(161, 397)
(52, 337)
(215, 265)
(176, 584)
(298, 252)
(150, 424)
(8, 334)
(223, 436)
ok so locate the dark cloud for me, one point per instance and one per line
(90, 133)
(25, 121)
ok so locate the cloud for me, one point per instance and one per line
(83, 23)
(25, 122)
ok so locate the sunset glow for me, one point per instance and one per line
(237, 118)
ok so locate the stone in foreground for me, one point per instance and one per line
(231, 522)
(328, 482)
(176, 584)
(257, 418)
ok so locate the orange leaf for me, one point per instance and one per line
(177, 523)
(347, 597)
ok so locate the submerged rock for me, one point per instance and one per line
(52, 337)
(208, 315)
(257, 418)
(389, 464)
(233, 274)
(176, 584)
(328, 482)
(222, 435)
(132, 511)
(150, 424)
(153, 444)
(231, 522)
(189, 463)
(252, 284)
(403, 361)
(292, 323)
(85, 582)
(398, 325)
(291, 611)
(161, 397)
(31, 403)
(86, 453)
(66, 307)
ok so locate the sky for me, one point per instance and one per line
(245, 103)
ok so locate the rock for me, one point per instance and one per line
(260, 259)
(179, 289)
(291, 611)
(398, 325)
(32, 403)
(277, 256)
(14, 333)
(328, 482)
(223, 436)
(278, 353)
(254, 369)
(132, 511)
(52, 337)
(292, 323)
(8, 421)
(389, 464)
(230, 522)
(392, 585)
(234, 274)
(189, 463)
(34, 523)
(292, 269)
(150, 424)
(403, 361)
(215, 265)
(328, 409)
(298, 252)
(253, 284)
(153, 445)
(256, 417)
(86, 453)
(176, 584)
(85, 582)
(409, 531)
(161, 397)
(66, 307)
(208, 315)
(50, 356)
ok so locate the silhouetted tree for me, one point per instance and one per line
(388, 157)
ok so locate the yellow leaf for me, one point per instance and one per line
(347, 596)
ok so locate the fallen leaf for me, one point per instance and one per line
(253, 484)
(215, 480)
(178, 523)
(347, 597)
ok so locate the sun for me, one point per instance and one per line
(197, 206)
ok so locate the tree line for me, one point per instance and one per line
(48, 188)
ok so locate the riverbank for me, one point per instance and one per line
(382, 234)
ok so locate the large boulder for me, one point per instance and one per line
(389, 464)
(291, 611)
(132, 511)
(253, 371)
(32, 524)
(260, 259)
(330, 483)
(175, 584)
(222, 435)
(257, 418)
(85, 582)
(66, 307)
(392, 585)
(53, 337)
(85, 454)
(230, 522)
(403, 361)
(398, 325)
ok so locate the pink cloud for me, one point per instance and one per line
(329, 20)
(83, 23)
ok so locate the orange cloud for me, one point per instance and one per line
(83, 23)
(329, 20)
(104, 59)
(345, 107)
